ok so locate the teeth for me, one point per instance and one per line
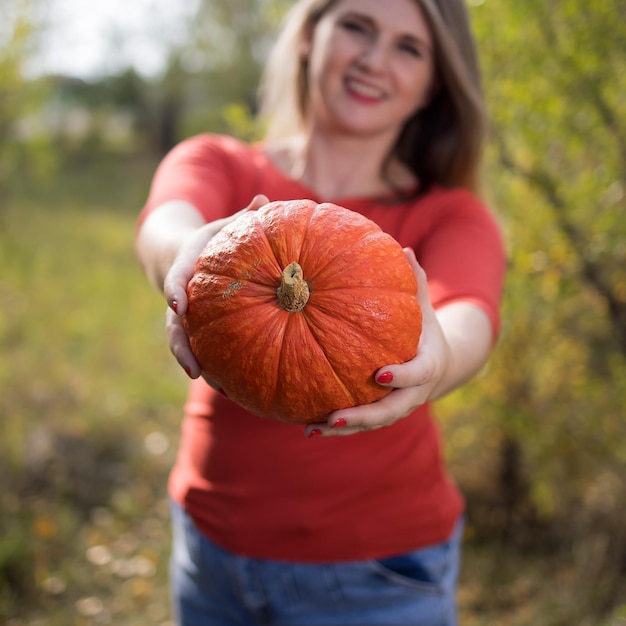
(364, 90)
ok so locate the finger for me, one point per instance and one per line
(315, 431)
(325, 429)
(384, 412)
(175, 288)
(429, 316)
(181, 271)
(388, 410)
(423, 296)
(179, 344)
(257, 202)
(418, 371)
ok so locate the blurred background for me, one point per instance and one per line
(91, 97)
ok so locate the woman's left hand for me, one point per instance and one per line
(414, 382)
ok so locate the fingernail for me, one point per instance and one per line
(316, 432)
(187, 371)
(174, 306)
(385, 378)
(340, 423)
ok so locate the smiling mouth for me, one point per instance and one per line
(363, 90)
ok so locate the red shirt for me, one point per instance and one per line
(258, 487)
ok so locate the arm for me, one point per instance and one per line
(161, 236)
(455, 343)
(469, 335)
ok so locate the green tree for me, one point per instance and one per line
(22, 149)
(212, 79)
(554, 76)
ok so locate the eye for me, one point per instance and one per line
(411, 49)
(354, 26)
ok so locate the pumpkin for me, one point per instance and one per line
(293, 308)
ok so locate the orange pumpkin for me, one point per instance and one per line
(293, 308)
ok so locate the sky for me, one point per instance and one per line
(90, 39)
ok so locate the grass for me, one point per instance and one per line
(89, 399)
(90, 405)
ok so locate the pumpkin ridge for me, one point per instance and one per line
(270, 398)
(331, 368)
(236, 277)
(358, 330)
(216, 317)
(250, 340)
(271, 247)
(217, 268)
(387, 288)
(320, 319)
(280, 364)
(367, 226)
(343, 252)
(339, 380)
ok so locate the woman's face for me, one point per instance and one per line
(371, 67)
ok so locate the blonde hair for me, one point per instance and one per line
(441, 143)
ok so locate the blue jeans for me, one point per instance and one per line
(212, 587)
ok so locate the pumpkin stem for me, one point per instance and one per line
(293, 291)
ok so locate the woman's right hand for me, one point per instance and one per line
(175, 286)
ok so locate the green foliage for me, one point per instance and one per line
(20, 100)
(213, 78)
(557, 174)
(87, 429)
(550, 407)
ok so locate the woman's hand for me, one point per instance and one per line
(175, 286)
(414, 382)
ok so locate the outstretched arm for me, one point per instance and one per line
(161, 236)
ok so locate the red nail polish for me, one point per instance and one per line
(340, 423)
(188, 371)
(316, 432)
(385, 378)
(174, 306)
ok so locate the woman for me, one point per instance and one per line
(375, 106)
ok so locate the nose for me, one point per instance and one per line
(374, 56)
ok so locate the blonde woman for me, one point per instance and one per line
(375, 106)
